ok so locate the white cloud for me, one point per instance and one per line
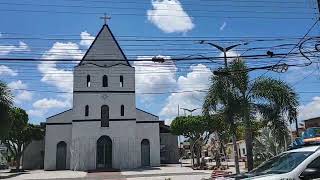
(6, 49)
(310, 110)
(223, 26)
(230, 53)
(36, 113)
(60, 78)
(197, 79)
(86, 39)
(43, 106)
(5, 70)
(21, 95)
(160, 76)
(46, 104)
(169, 16)
(17, 85)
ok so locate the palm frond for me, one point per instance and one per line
(278, 94)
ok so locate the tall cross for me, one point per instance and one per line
(105, 18)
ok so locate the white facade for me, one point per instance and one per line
(80, 130)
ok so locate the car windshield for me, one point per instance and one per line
(282, 163)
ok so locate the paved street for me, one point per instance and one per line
(175, 172)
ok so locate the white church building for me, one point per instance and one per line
(104, 129)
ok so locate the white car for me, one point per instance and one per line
(302, 163)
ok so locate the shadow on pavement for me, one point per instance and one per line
(11, 175)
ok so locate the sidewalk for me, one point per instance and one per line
(41, 174)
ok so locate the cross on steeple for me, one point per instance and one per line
(105, 18)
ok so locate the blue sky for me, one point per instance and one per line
(37, 29)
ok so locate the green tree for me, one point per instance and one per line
(275, 100)
(221, 98)
(5, 105)
(194, 128)
(20, 134)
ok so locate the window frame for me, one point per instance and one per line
(86, 111)
(121, 81)
(122, 110)
(105, 82)
(88, 81)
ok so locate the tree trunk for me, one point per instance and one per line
(248, 138)
(217, 158)
(192, 155)
(235, 152)
(198, 151)
(18, 157)
(249, 148)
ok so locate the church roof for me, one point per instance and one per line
(105, 50)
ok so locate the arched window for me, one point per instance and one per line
(88, 81)
(105, 81)
(104, 116)
(121, 81)
(122, 110)
(86, 110)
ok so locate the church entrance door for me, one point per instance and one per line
(61, 156)
(104, 153)
(145, 153)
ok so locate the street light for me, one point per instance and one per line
(224, 50)
(189, 110)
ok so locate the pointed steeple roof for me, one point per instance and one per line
(105, 50)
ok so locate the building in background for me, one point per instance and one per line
(313, 122)
(33, 155)
(242, 151)
(169, 152)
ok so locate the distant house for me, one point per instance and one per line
(169, 153)
(313, 122)
(242, 151)
(33, 155)
(185, 149)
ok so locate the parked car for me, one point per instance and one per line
(301, 163)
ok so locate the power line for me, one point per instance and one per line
(290, 52)
(172, 10)
(146, 59)
(137, 14)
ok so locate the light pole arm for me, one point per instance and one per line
(231, 47)
(218, 47)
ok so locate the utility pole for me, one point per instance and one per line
(225, 50)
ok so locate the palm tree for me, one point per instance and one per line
(221, 98)
(273, 99)
(5, 105)
(267, 145)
